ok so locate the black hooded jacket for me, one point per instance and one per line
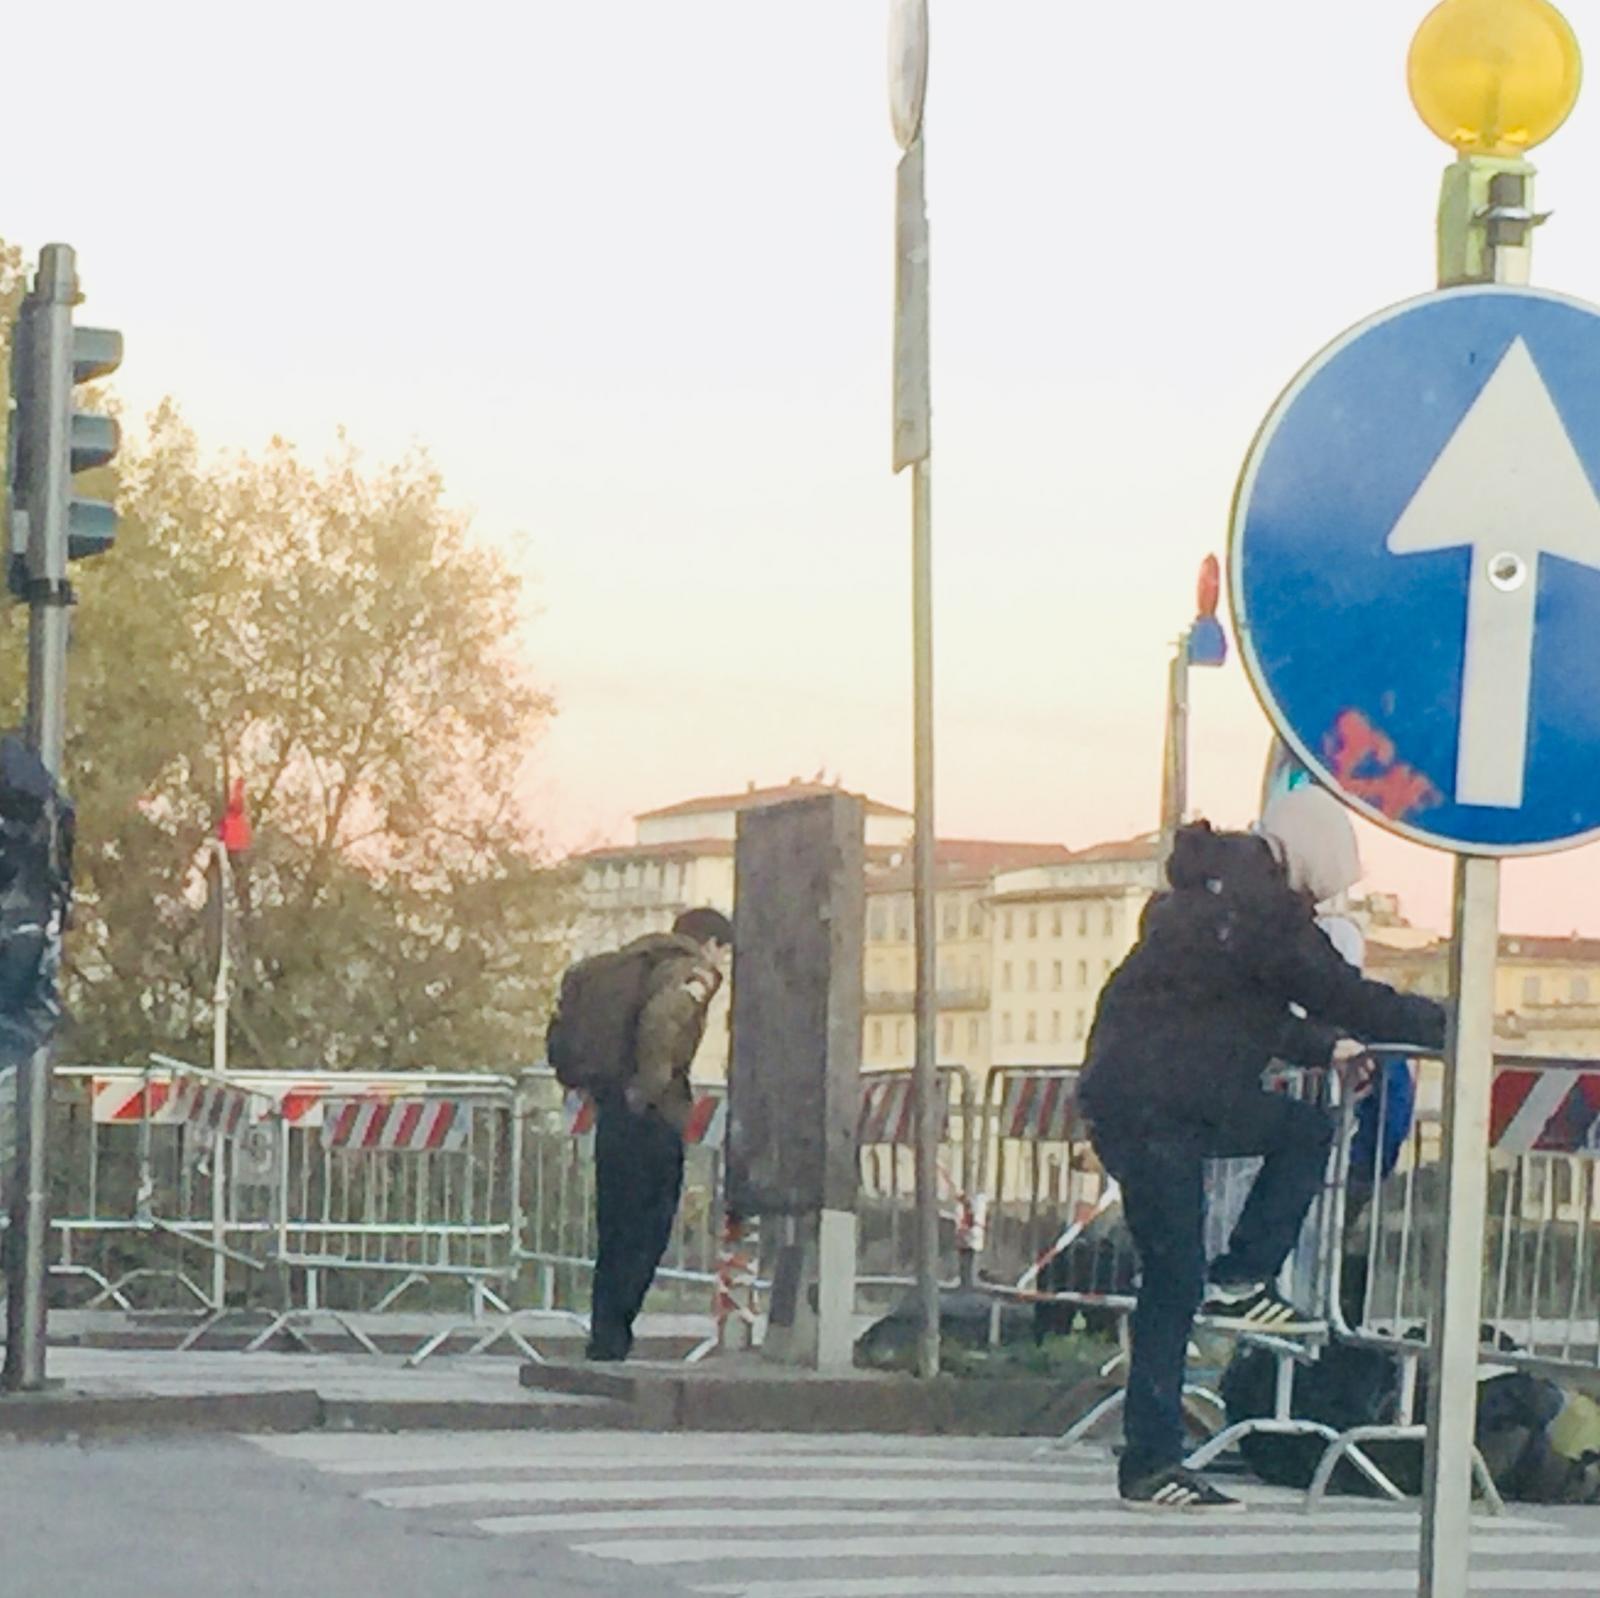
(1200, 1007)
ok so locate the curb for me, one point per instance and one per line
(748, 1399)
(72, 1417)
(69, 1416)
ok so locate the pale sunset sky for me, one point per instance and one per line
(625, 269)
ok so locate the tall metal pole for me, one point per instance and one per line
(221, 993)
(1175, 762)
(48, 333)
(1492, 244)
(908, 78)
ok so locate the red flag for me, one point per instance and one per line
(234, 828)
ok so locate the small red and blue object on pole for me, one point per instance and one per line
(1208, 643)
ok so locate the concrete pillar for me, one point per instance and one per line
(795, 1072)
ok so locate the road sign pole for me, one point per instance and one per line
(1458, 1270)
(1486, 244)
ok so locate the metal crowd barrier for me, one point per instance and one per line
(1541, 1300)
(320, 1192)
(886, 1204)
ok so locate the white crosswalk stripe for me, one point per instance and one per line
(764, 1516)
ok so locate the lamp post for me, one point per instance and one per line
(1493, 79)
(908, 83)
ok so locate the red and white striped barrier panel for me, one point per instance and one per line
(1545, 1112)
(707, 1126)
(410, 1126)
(889, 1109)
(1041, 1105)
(176, 1101)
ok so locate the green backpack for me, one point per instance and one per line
(590, 1038)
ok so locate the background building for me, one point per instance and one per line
(1028, 932)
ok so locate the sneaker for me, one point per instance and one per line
(1177, 1490)
(1254, 1307)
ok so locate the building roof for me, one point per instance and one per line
(1147, 846)
(1571, 950)
(754, 797)
(684, 849)
(962, 862)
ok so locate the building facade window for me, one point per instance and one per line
(899, 1038)
(1083, 973)
(1005, 1026)
(1531, 987)
(877, 1040)
(878, 923)
(1033, 923)
(1005, 976)
(1056, 975)
(1580, 990)
(1033, 975)
(1079, 1021)
(975, 921)
(1005, 926)
(1110, 922)
(902, 920)
(1031, 1034)
(972, 1033)
(948, 1037)
(1083, 921)
(1055, 923)
(1055, 1026)
(951, 920)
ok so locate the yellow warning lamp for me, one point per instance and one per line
(1494, 77)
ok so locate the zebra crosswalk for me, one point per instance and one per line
(785, 1516)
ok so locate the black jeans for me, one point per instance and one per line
(1160, 1168)
(638, 1170)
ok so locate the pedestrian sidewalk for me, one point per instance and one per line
(98, 1391)
(107, 1391)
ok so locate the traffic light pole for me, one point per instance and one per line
(49, 352)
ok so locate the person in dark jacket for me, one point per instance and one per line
(639, 1124)
(1183, 1032)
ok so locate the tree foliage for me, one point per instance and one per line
(333, 636)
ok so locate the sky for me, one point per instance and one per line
(626, 271)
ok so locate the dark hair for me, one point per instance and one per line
(704, 926)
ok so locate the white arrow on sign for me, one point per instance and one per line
(1510, 484)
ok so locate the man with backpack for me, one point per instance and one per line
(1184, 1030)
(625, 1031)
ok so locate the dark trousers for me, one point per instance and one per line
(1161, 1170)
(638, 1169)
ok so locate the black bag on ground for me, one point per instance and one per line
(1344, 1388)
(590, 1039)
(1349, 1387)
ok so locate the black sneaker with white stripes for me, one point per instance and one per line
(1177, 1490)
(1254, 1307)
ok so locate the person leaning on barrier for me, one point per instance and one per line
(625, 1030)
(1184, 1029)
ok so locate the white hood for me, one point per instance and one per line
(1310, 833)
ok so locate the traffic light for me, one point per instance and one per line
(50, 439)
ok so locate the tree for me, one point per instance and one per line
(334, 637)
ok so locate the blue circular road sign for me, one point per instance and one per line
(1415, 569)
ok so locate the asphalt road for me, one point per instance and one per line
(602, 1515)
